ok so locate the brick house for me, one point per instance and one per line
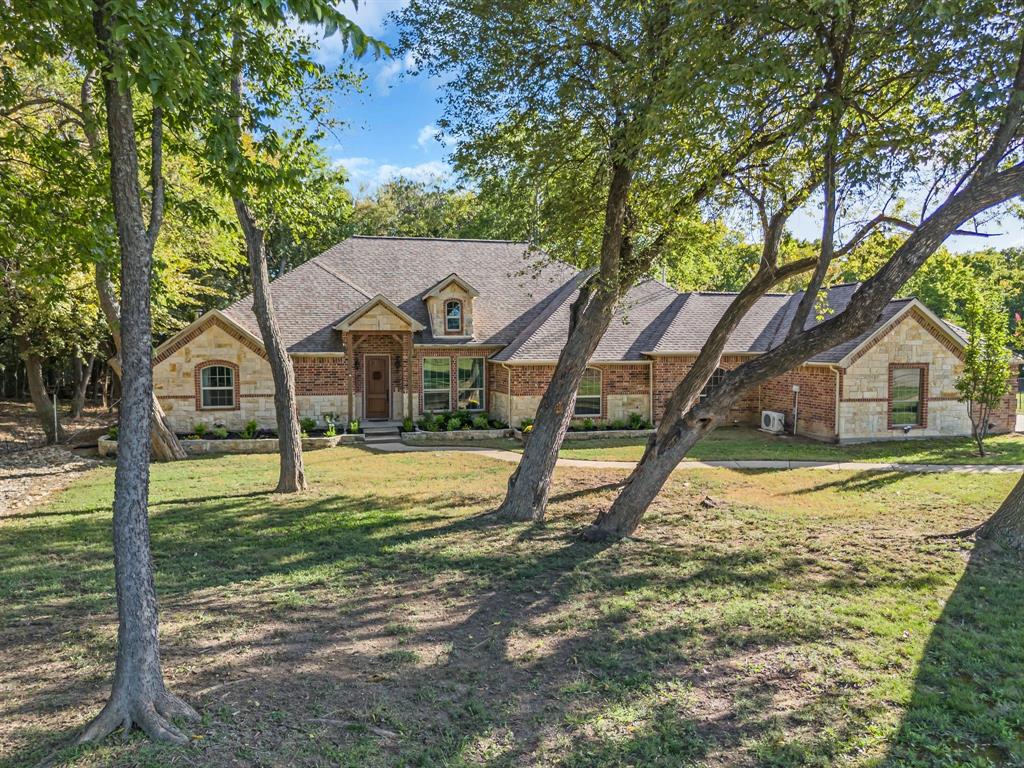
(384, 328)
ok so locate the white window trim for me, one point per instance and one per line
(423, 384)
(599, 396)
(204, 389)
(483, 382)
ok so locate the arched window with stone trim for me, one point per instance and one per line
(453, 319)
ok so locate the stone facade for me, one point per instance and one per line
(912, 341)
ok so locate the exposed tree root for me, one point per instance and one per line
(152, 715)
(966, 533)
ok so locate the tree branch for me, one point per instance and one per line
(156, 178)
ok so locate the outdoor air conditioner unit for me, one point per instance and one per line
(773, 422)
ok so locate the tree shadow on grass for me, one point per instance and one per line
(967, 706)
(866, 480)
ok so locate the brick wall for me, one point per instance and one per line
(669, 371)
(816, 403)
(625, 389)
(452, 354)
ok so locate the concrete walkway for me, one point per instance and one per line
(841, 466)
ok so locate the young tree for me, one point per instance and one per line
(986, 373)
(981, 61)
(620, 121)
(263, 169)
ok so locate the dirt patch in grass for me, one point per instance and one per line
(379, 620)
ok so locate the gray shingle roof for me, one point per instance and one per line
(314, 297)
(523, 304)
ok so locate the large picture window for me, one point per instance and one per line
(905, 397)
(471, 383)
(437, 384)
(588, 396)
(217, 384)
(453, 317)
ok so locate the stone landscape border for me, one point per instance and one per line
(108, 447)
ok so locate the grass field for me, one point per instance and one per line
(378, 621)
(744, 443)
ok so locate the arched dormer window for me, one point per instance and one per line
(453, 317)
(588, 396)
(712, 385)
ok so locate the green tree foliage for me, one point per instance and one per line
(986, 369)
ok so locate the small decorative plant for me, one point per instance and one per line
(481, 422)
(112, 433)
(331, 430)
(353, 427)
(636, 421)
(250, 429)
(219, 432)
(307, 424)
(526, 425)
(528, 429)
(454, 423)
(407, 424)
(199, 429)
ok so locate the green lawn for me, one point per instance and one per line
(377, 621)
(744, 443)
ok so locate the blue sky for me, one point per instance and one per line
(391, 128)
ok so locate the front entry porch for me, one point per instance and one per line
(380, 378)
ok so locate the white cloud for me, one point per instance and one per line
(428, 134)
(391, 69)
(366, 174)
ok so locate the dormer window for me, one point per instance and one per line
(453, 317)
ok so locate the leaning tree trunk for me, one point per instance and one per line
(530, 483)
(1007, 524)
(48, 417)
(292, 476)
(164, 443)
(138, 693)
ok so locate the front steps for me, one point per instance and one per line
(381, 433)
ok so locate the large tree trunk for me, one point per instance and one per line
(1007, 524)
(292, 475)
(164, 443)
(138, 693)
(48, 417)
(82, 370)
(529, 485)
(682, 427)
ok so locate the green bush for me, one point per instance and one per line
(636, 421)
(112, 433)
(407, 424)
(250, 429)
(307, 424)
(354, 427)
(618, 424)
(219, 433)
(453, 424)
(331, 430)
(526, 423)
(199, 429)
(498, 424)
(481, 422)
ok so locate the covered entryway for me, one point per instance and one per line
(378, 386)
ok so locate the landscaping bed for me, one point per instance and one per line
(203, 446)
(457, 436)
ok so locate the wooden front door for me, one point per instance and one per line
(378, 382)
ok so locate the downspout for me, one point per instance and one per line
(796, 406)
(650, 391)
(839, 411)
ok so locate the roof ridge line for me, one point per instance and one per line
(343, 279)
(438, 239)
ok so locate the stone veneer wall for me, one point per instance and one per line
(625, 389)
(912, 340)
(498, 391)
(816, 401)
(174, 378)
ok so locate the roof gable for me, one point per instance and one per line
(444, 282)
(352, 320)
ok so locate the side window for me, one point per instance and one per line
(712, 385)
(905, 397)
(217, 385)
(471, 383)
(588, 396)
